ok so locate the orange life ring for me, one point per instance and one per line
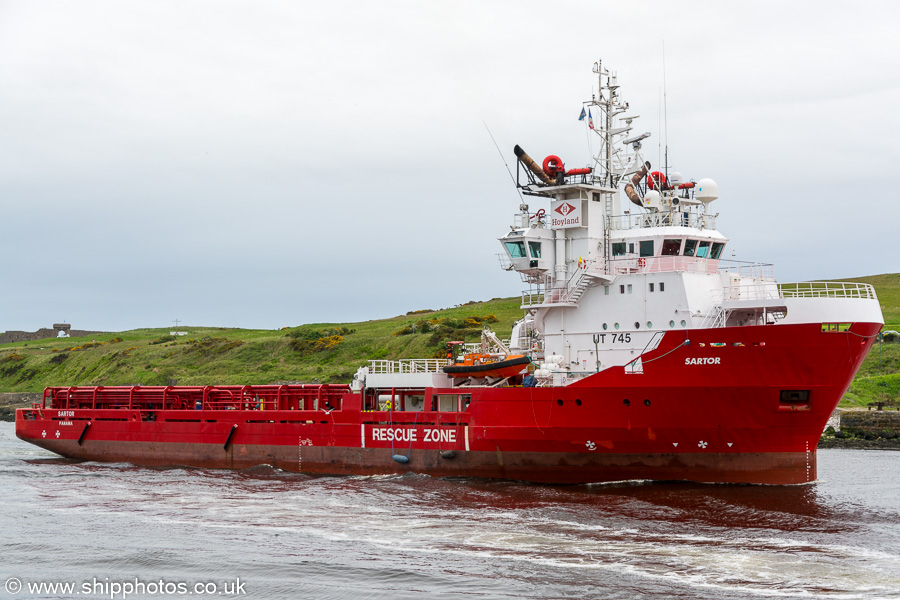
(656, 179)
(553, 165)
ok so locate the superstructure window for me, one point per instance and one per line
(516, 249)
(651, 287)
(618, 248)
(716, 251)
(703, 250)
(535, 249)
(689, 247)
(671, 247)
(647, 248)
(631, 248)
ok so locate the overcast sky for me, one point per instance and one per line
(266, 164)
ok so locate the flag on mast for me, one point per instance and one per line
(583, 114)
(590, 120)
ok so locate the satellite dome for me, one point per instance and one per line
(707, 190)
(676, 179)
(651, 200)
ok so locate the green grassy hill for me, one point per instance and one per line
(326, 352)
(879, 377)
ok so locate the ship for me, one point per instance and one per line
(643, 353)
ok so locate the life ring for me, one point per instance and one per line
(642, 262)
(553, 165)
(656, 179)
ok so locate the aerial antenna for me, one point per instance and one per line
(665, 113)
(519, 192)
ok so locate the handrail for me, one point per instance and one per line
(407, 365)
(674, 218)
(827, 289)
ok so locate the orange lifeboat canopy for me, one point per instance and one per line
(553, 165)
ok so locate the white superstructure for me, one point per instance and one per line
(606, 281)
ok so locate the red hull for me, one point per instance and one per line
(688, 417)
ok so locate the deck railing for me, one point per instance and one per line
(827, 289)
(409, 365)
(683, 218)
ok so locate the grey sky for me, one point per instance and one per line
(264, 164)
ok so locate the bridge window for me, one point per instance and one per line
(647, 248)
(716, 251)
(535, 249)
(516, 249)
(671, 247)
(618, 249)
(703, 250)
(689, 247)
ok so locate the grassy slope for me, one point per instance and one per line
(209, 355)
(229, 356)
(879, 376)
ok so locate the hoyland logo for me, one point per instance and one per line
(565, 209)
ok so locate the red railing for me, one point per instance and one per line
(225, 397)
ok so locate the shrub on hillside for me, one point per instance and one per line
(210, 346)
(446, 326)
(321, 344)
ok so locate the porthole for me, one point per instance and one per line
(616, 325)
(683, 323)
(626, 402)
(604, 327)
(637, 325)
(671, 323)
(577, 401)
(649, 324)
(559, 401)
(647, 402)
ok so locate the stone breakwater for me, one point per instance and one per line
(863, 429)
(10, 401)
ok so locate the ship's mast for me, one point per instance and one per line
(610, 163)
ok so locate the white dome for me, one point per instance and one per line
(707, 190)
(651, 200)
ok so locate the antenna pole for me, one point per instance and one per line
(515, 184)
(665, 113)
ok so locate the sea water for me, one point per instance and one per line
(120, 531)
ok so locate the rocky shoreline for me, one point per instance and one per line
(858, 444)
